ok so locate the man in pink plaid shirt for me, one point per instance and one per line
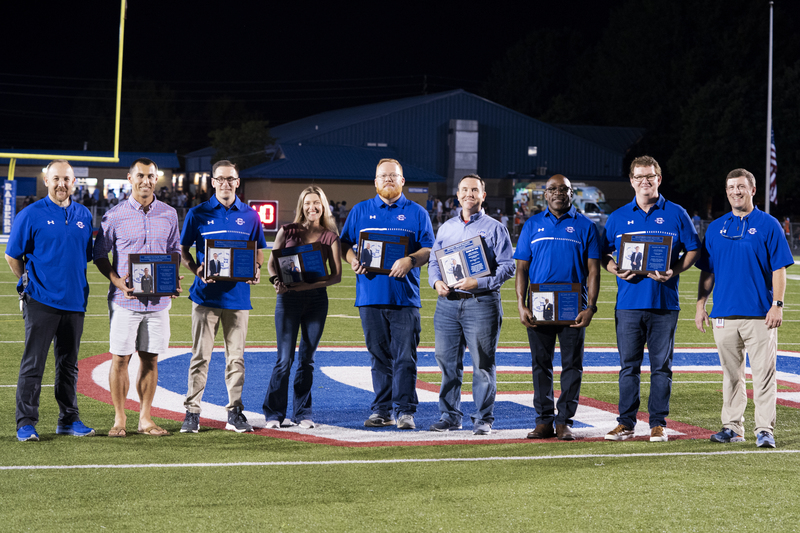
(139, 225)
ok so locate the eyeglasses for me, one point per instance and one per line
(388, 177)
(559, 190)
(649, 177)
(226, 180)
(735, 233)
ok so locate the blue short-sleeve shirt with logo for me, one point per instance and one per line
(664, 218)
(211, 220)
(403, 218)
(742, 253)
(558, 249)
(56, 244)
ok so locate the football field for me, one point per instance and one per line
(339, 477)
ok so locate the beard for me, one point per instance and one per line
(389, 190)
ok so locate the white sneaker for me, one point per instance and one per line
(273, 424)
(406, 422)
(307, 424)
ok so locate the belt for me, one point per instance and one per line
(466, 295)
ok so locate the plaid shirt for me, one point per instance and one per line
(127, 229)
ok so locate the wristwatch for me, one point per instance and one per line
(778, 303)
(592, 307)
(413, 261)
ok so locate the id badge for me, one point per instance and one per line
(719, 323)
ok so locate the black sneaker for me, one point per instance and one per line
(237, 421)
(191, 423)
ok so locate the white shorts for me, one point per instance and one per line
(145, 331)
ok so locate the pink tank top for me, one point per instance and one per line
(292, 233)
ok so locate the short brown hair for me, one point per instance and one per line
(224, 163)
(645, 161)
(741, 173)
(474, 177)
(395, 161)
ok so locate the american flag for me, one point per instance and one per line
(773, 173)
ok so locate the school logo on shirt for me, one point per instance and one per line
(752, 231)
(570, 229)
(80, 224)
(659, 220)
(482, 233)
(240, 221)
(401, 217)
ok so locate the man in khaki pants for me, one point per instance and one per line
(216, 301)
(744, 258)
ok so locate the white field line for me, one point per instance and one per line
(400, 461)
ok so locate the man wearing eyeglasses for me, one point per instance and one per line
(215, 302)
(389, 304)
(647, 306)
(743, 260)
(469, 314)
(557, 245)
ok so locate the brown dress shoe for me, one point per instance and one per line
(542, 431)
(564, 432)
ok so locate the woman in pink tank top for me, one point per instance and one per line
(302, 305)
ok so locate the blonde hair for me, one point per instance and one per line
(326, 221)
(395, 161)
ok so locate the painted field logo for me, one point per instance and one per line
(343, 392)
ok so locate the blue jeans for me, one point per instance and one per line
(635, 328)
(542, 340)
(305, 311)
(392, 336)
(475, 324)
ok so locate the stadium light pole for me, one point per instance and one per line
(767, 188)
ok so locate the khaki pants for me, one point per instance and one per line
(205, 323)
(761, 344)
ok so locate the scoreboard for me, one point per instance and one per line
(268, 213)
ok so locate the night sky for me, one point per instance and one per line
(282, 61)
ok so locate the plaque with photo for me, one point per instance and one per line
(154, 274)
(307, 263)
(230, 260)
(465, 259)
(377, 252)
(645, 254)
(555, 304)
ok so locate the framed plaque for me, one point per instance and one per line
(645, 254)
(154, 274)
(303, 263)
(228, 260)
(377, 252)
(556, 304)
(464, 259)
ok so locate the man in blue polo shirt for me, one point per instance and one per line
(389, 304)
(647, 306)
(226, 217)
(557, 245)
(49, 246)
(743, 260)
(470, 313)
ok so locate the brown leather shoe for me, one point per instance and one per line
(542, 431)
(564, 432)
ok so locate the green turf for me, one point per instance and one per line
(578, 486)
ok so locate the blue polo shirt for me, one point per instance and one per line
(664, 218)
(210, 220)
(558, 248)
(56, 243)
(404, 218)
(743, 267)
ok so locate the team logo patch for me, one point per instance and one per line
(80, 224)
(752, 231)
(659, 220)
(401, 217)
(570, 229)
(240, 221)
(343, 393)
(482, 233)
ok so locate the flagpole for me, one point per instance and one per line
(769, 115)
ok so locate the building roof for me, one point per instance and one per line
(619, 139)
(162, 159)
(309, 162)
